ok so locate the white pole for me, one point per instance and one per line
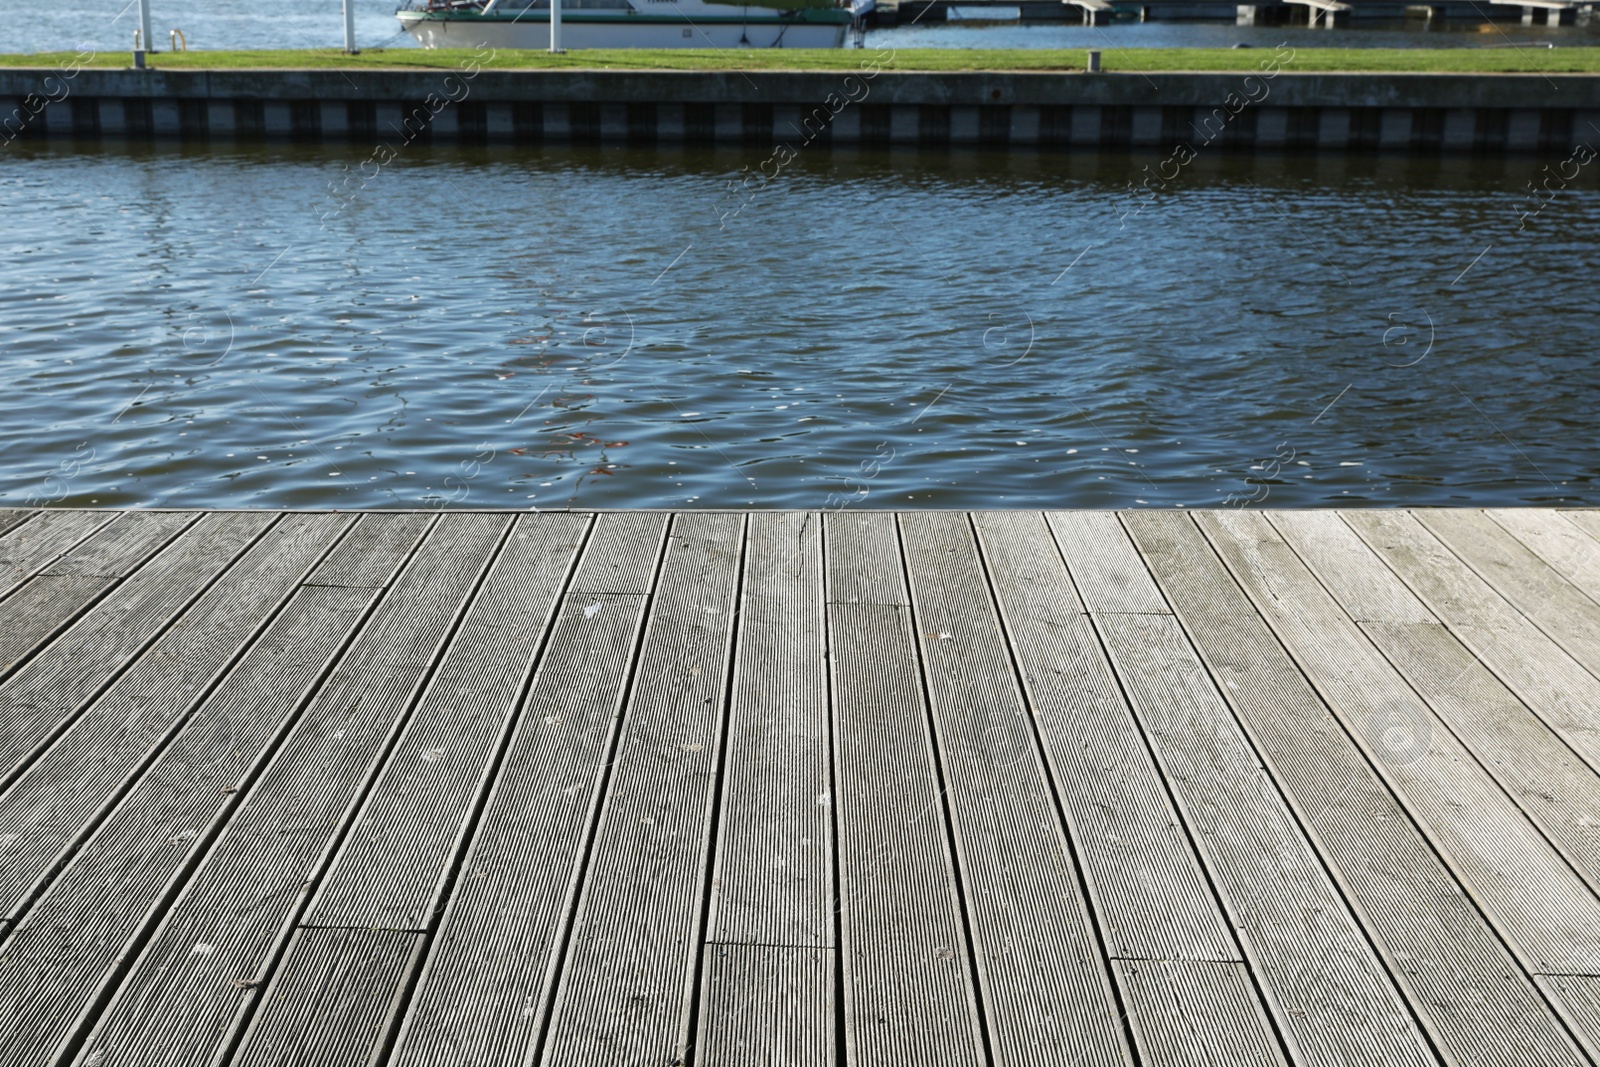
(146, 42)
(350, 28)
(555, 26)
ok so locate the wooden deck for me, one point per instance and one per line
(1077, 788)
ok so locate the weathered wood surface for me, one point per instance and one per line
(906, 968)
(1211, 788)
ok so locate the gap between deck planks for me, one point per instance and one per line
(1303, 788)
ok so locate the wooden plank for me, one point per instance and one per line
(1200, 1012)
(1536, 767)
(371, 554)
(857, 537)
(550, 874)
(45, 604)
(1587, 520)
(1118, 582)
(118, 548)
(908, 983)
(121, 733)
(1367, 592)
(389, 871)
(39, 610)
(1577, 997)
(1536, 900)
(333, 983)
(1552, 786)
(1532, 727)
(1045, 988)
(484, 993)
(772, 871)
(1557, 540)
(43, 696)
(1329, 993)
(763, 1004)
(1437, 577)
(772, 876)
(176, 1006)
(32, 547)
(624, 553)
(1150, 894)
(626, 987)
(105, 749)
(78, 926)
(1454, 968)
(1528, 585)
(11, 518)
(1146, 881)
(1514, 577)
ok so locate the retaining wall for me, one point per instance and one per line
(1411, 112)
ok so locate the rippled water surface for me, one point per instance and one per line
(267, 327)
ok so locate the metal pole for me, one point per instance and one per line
(555, 27)
(146, 42)
(350, 28)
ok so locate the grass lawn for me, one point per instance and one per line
(1394, 60)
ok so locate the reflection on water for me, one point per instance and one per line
(595, 328)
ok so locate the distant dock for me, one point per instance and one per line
(1326, 13)
(1152, 788)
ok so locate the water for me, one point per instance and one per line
(108, 25)
(596, 328)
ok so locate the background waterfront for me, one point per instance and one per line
(107, 25)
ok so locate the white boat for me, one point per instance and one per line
(723, 24)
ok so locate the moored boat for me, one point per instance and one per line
(721, 24)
